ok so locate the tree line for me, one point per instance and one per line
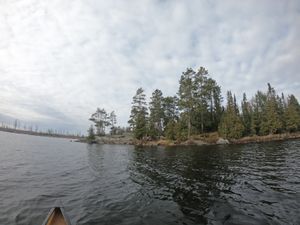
(197, 109)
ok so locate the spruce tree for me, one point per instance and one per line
(292, 114)
(246, 115)
(271, 123)
(231, 125)
(258, 104)
(138, 117)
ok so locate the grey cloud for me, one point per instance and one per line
(60, 59)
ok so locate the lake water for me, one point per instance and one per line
(114, 184)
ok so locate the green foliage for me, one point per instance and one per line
(170, 130)
(186, 94)
(197, 109)
(140, 128)
(138, 117)
(102, 119)
(246, 115)
(292, 114)
(231, 125)
(170, 108)
(200, 99)
(258, 110)
(156, 114)
(181, 130)
(271, 122)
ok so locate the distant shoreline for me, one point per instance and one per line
(33, 133)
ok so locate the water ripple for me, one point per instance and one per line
(104, 184)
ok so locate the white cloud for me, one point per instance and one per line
(59, 60)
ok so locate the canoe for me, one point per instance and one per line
(57, 216)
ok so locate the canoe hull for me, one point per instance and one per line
(57, 216)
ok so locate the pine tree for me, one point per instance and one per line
(201, 92)
(200, 101)
(216, 107)
(138, 117)
(101, 120)
(170, 108)
(186, 96)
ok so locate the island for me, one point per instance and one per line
(195, 115)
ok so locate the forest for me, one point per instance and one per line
(197, 108)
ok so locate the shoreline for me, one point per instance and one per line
(206, 139)
(198, 140)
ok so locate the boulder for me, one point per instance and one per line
(222, 141)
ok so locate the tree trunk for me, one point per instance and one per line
(202, 126)
(189, 126)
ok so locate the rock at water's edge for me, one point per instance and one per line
(222, 141)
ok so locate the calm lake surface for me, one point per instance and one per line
(111, 184)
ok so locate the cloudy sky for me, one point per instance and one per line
(61, 59)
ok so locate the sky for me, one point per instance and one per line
(61, 59)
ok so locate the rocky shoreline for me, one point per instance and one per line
(194, 141)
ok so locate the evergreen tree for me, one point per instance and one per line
(292, 114)
(156, 114)
(186, 96)
(281, 108)
(171, 117)
(181, 128)
(246, 115)
(207, 113)
(200, 101)
(231, 125)
(138, 117)
(170, 130)
(235, 105)
(215, 104)
(170, 110)
(201, 93)
(101, 120)
(258, 110)
(271, 123)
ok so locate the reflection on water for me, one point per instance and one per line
(110, 184)
(193, 179)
